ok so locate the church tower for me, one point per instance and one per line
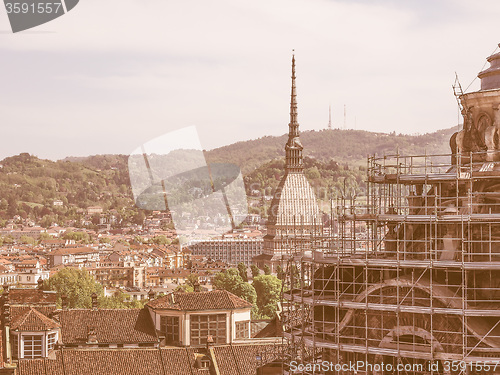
(294, 217)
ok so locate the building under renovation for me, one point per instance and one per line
(411, 285)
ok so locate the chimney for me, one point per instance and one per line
(196, 286)
(151, 294)
(210, 341)
(94, 301)
(91, 335)
(64, 301)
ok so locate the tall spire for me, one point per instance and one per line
(294, 124)
(293, 146)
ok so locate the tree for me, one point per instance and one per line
(27, 240)
(77, 285)
(295, 276)
(161, 240)
(255, 270)
(44, 236)
(267, 270)
(139, 217)
(242, 269)
(104, 240)
(231, 281)
(279, 273)
(76, 236)
(268, 289)
(119, 300)
(184, 288)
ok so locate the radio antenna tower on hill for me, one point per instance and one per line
(330, 117)
(345, 116)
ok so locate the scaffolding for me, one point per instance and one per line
(407, 281)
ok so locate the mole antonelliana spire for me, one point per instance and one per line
(293, 148)
(294, 213)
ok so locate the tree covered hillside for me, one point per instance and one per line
(343, 146)
(29, 185)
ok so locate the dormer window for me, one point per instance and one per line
(33, 335)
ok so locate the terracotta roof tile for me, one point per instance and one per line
(213, 300)
(34, 321)
(242, 359)
(18, 310)
(231, 359)
(72, 250)
(30, 296)
(121, 326)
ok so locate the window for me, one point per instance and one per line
(169, 325)
(32, 346)
(208, 325)
(14, 340)
(242, 330)
(51, 341)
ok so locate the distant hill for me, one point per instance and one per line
(343, 146)
(333, 159)
(29, 186)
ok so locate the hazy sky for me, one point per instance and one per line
(113, 74)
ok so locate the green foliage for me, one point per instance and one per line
(344, 146)
(82, 237)
(192, 279)
(78, 285)
(242, 269)
(45, 236)
(184, 288)
(6, 240)
(267, 270)
(27, 240)
(30, 185)
(268, 289)
(120, 300)
(161, 240)
(295, 276)
(104, 240)
(255, 270)
(188, 286)
(231, 281)
(280, 273)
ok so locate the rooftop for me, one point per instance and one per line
(111, 325)
(213, 300)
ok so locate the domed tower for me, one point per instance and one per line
(482, 116)
(294, 217)
(425, 291)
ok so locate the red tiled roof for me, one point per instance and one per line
(231, 359)
(18, 310)
(242, 359)
(30, 296)
(73, 250)
(214, 300)
(33, 321)
(113, 326)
